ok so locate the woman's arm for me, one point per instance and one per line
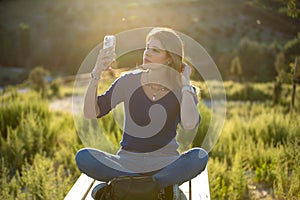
(104, 60)
(189, 111)
(188, 108)
(91, 109)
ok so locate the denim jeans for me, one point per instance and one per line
(104, 167)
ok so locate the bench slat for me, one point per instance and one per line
(200, 187)
(80, 188)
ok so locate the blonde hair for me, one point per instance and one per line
(173, 45)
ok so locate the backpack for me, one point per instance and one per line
(131, 188)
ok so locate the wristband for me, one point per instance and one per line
(190, 89)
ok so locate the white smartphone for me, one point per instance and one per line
(109, 41)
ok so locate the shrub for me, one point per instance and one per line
(37, 148)
(238, 179)
(259, 145)
(219, 179)
(9, 187)
(37, 80)
(25, 128)
(55, 88)
(40, 180)
(203, 127)
(286, 184)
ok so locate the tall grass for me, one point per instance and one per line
(25, 128)
(254, 145)
(37, 148)
(262, 92)
(257, 150)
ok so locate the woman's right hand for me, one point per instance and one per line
(104, 60)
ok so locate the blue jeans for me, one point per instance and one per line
(187, 166)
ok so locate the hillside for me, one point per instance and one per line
(59, 34)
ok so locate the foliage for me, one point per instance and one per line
(281, 68)
(260, 147)
(260, 68)
(40, 180)
(262, 92)
(290, 7)
(292, 49)
(55, 88)
(37, 80)
(293, 8)
(220, 183)
(203, 127)
(37, 148)
(286, 185)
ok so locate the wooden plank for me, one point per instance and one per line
(81, 188)
(200, 187)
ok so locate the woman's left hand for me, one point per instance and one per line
(185, 76)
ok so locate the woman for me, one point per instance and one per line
(156, 99)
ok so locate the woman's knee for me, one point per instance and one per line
(197, 153)
(81, 158)
(198, 156)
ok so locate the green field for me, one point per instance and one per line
(255, 157)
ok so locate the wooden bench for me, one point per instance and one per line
(196, 189)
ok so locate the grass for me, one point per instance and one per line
(257, 151)
(250, 151)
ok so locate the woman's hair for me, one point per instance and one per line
(172, 43)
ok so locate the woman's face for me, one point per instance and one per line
(154, 53)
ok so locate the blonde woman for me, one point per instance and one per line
(156, 99)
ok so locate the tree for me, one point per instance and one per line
(282, 76)
(257, 60)
(292, 49)
(293, 8)
(289, 7)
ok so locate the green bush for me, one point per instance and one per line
(55, 88)
(204, 125)
(9, 187)
(238, 179)
(218, 179)
(37, 80)
(260, 146)
(40, 180)
(37, 148)
(25, 128)
(286, 184)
